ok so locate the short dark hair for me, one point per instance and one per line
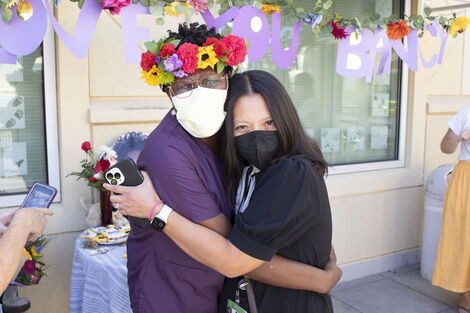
(293, 139)
(194, 33)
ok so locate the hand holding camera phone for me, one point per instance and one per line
(126, 173)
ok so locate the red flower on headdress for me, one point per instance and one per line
(236, 49)
(92, 178)
(339, 32)
(147, 61)
(187, 53)
(220, 48)
(167, 50)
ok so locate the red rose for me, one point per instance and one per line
(236, 49)
(105, 164)
(92, 178)
(98, 167)
(86, 146)
(187, 53)
(147, 61)
(167, 50)
(219, 47)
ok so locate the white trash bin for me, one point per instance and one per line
(433, 206)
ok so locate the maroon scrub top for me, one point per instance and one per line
(187, 175)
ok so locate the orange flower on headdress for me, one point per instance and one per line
(398, 30)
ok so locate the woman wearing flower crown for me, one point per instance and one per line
(193, 67)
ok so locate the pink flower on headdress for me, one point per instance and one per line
(236, 49)
(187, 53)
(114, 6)
(198, 5)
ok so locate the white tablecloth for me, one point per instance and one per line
(99, 282)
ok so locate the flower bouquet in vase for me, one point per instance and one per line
(92, 169)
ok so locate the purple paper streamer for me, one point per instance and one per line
(86, 24)
(410, 55)
(385, 64)
(131, 33)
(259, 41)
(7, 58)
(435, 28)
(222, 20)
(281, 57)
(20, 37)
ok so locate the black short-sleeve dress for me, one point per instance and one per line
(289, 215)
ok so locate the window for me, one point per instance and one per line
(353, 121)
(28, 123)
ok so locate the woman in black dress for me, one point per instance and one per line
(275, 175)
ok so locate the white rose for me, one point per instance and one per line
(105, 153)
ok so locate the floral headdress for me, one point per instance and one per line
(167, 59)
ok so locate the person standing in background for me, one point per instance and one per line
(452, 270)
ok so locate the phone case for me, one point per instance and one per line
(33, 190)
(126, 173)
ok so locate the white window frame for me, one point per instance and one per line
(52, 139)
(383, 165)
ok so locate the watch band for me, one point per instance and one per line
(164, 213)
(161, 219)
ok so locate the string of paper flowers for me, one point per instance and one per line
(321, 18)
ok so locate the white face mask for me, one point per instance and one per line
(202, 113)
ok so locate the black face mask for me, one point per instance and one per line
(258, 148)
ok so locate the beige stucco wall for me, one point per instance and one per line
(375, 213)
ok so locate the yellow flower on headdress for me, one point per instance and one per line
(27, 255)
(206, 57)
(459, 25)
(270, 9)
(151, 77)
(170, 10)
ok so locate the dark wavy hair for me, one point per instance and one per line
(293, 139)
(195, 34)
